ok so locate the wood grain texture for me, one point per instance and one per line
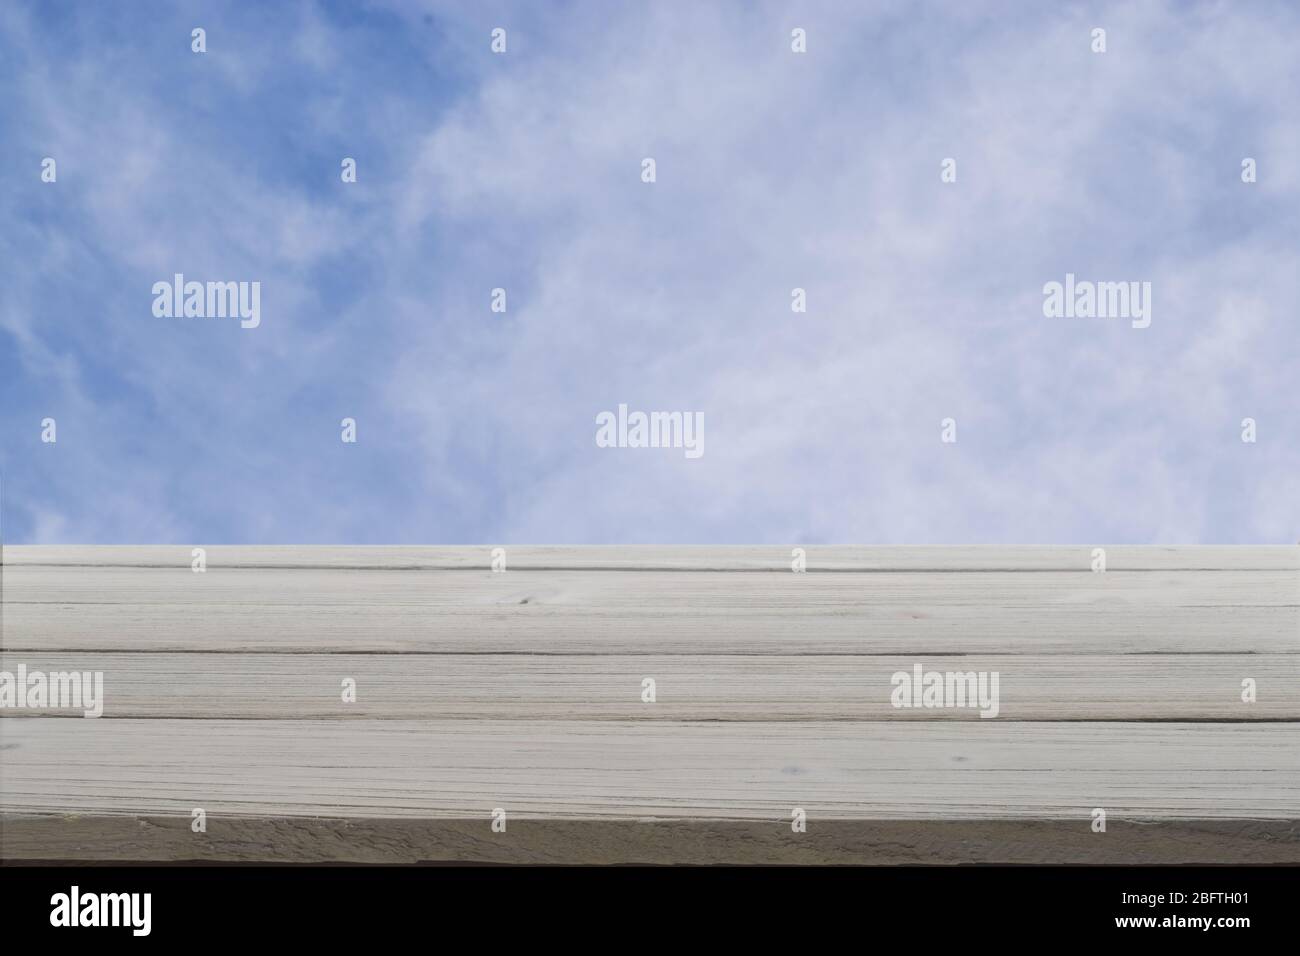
(619, 769)
(314, 609)
(723, 687)
(521, 690)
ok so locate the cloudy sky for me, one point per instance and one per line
(775, 170)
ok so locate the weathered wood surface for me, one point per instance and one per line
(744, 770)
(726, 687)
(522, 690)
(234, 608)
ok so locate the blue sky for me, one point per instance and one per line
(775, 170)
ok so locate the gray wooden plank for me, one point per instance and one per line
(119, 607)
(620, 769)
(677, 627)
(726, 687)
(770, 590)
